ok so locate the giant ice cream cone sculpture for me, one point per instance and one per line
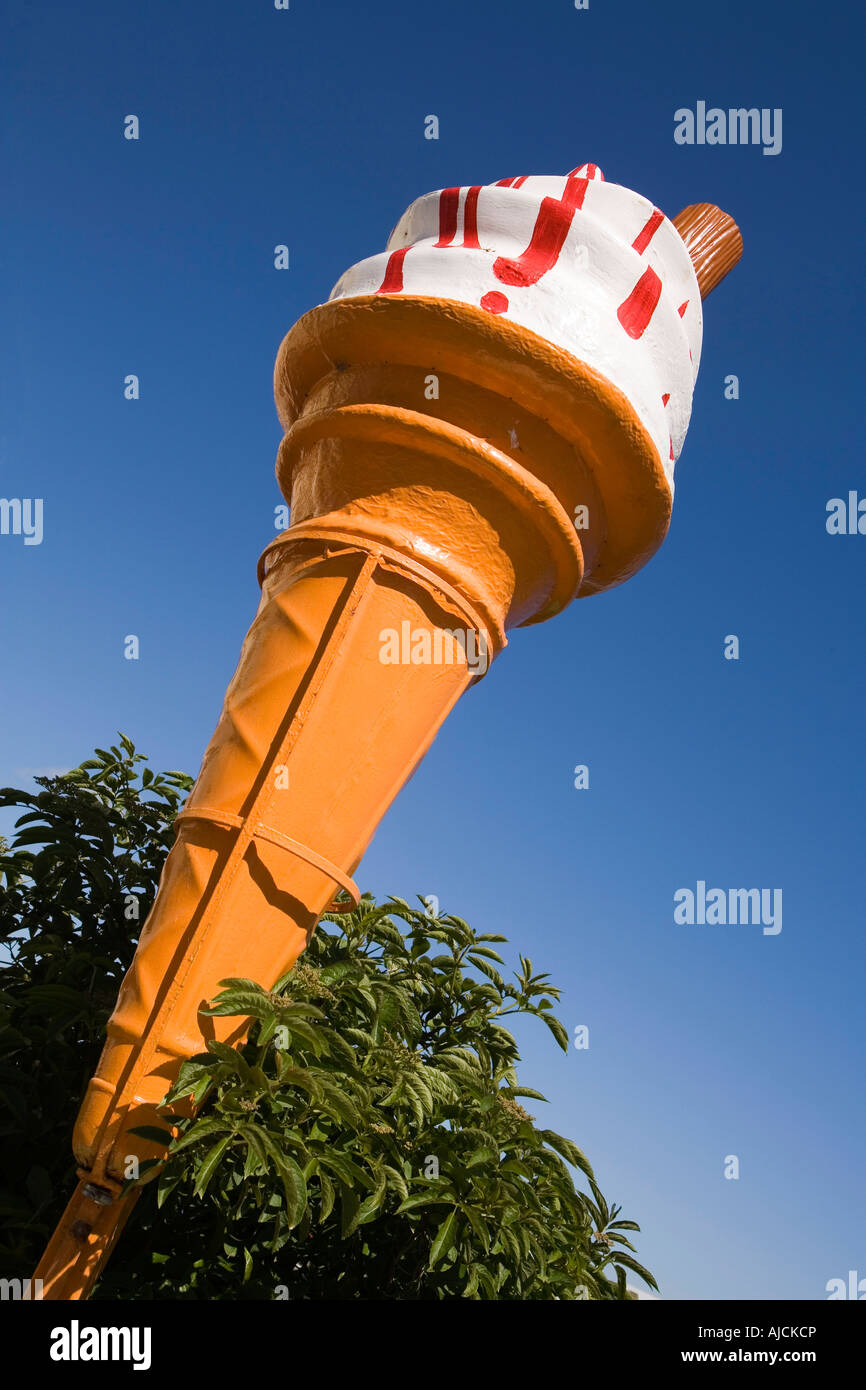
(481, 424)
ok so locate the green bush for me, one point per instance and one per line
(369, 1140)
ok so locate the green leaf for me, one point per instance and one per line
(344, 1167)
(350, 1207)
(328, 1195)
(478, 1224)
(152, 1133)
(556, 1028)
(486, 951)
(167, 1183)
(513, 1165)
(569, 1151)
(209, 1165)
(483, 1155)
(622, 1259)
(444, 1238)
(490, 972)
(370, 1206)
(422, 1199)
(291, 1177)
(299, 1076)
(257, 1157)
(295, 1190)
(240, 1002)
(199, 1129)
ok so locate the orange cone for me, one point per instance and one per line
(436, 456)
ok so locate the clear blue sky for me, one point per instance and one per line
(305, 127)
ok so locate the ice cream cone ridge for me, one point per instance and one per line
(462, 438)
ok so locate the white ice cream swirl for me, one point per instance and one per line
(589, 265)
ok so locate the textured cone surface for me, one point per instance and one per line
(316, 737)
